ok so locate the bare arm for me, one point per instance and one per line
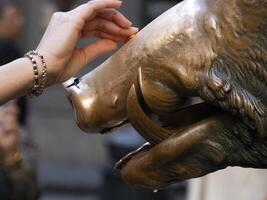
(97, 18)
(16, 79)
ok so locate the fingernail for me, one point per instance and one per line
(135, 29)
(130, 23)
(132, 36)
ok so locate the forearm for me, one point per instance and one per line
(16, 79)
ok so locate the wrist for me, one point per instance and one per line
(51, 64)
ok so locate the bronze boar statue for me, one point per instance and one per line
(212, 49)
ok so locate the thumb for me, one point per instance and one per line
(96, 49)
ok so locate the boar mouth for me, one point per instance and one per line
(166, 126)
(115, 127)
(170, 123)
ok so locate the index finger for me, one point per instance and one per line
(89, 9)
(116, 16)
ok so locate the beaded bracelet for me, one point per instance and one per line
(35, 75)
(44, 72)
(39, 85)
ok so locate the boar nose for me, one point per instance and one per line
(94, 113)
(88, 112)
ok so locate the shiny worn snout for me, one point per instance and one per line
(94, 112)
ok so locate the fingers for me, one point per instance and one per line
(108, 26)
(115, 16)
(89, 10)
(103, 35)
(103, 21)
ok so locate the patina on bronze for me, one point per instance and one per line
(213, 49)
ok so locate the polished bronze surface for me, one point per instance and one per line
(212, 49)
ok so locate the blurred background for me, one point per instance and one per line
(44, 155)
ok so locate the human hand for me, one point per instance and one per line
(97, 18)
